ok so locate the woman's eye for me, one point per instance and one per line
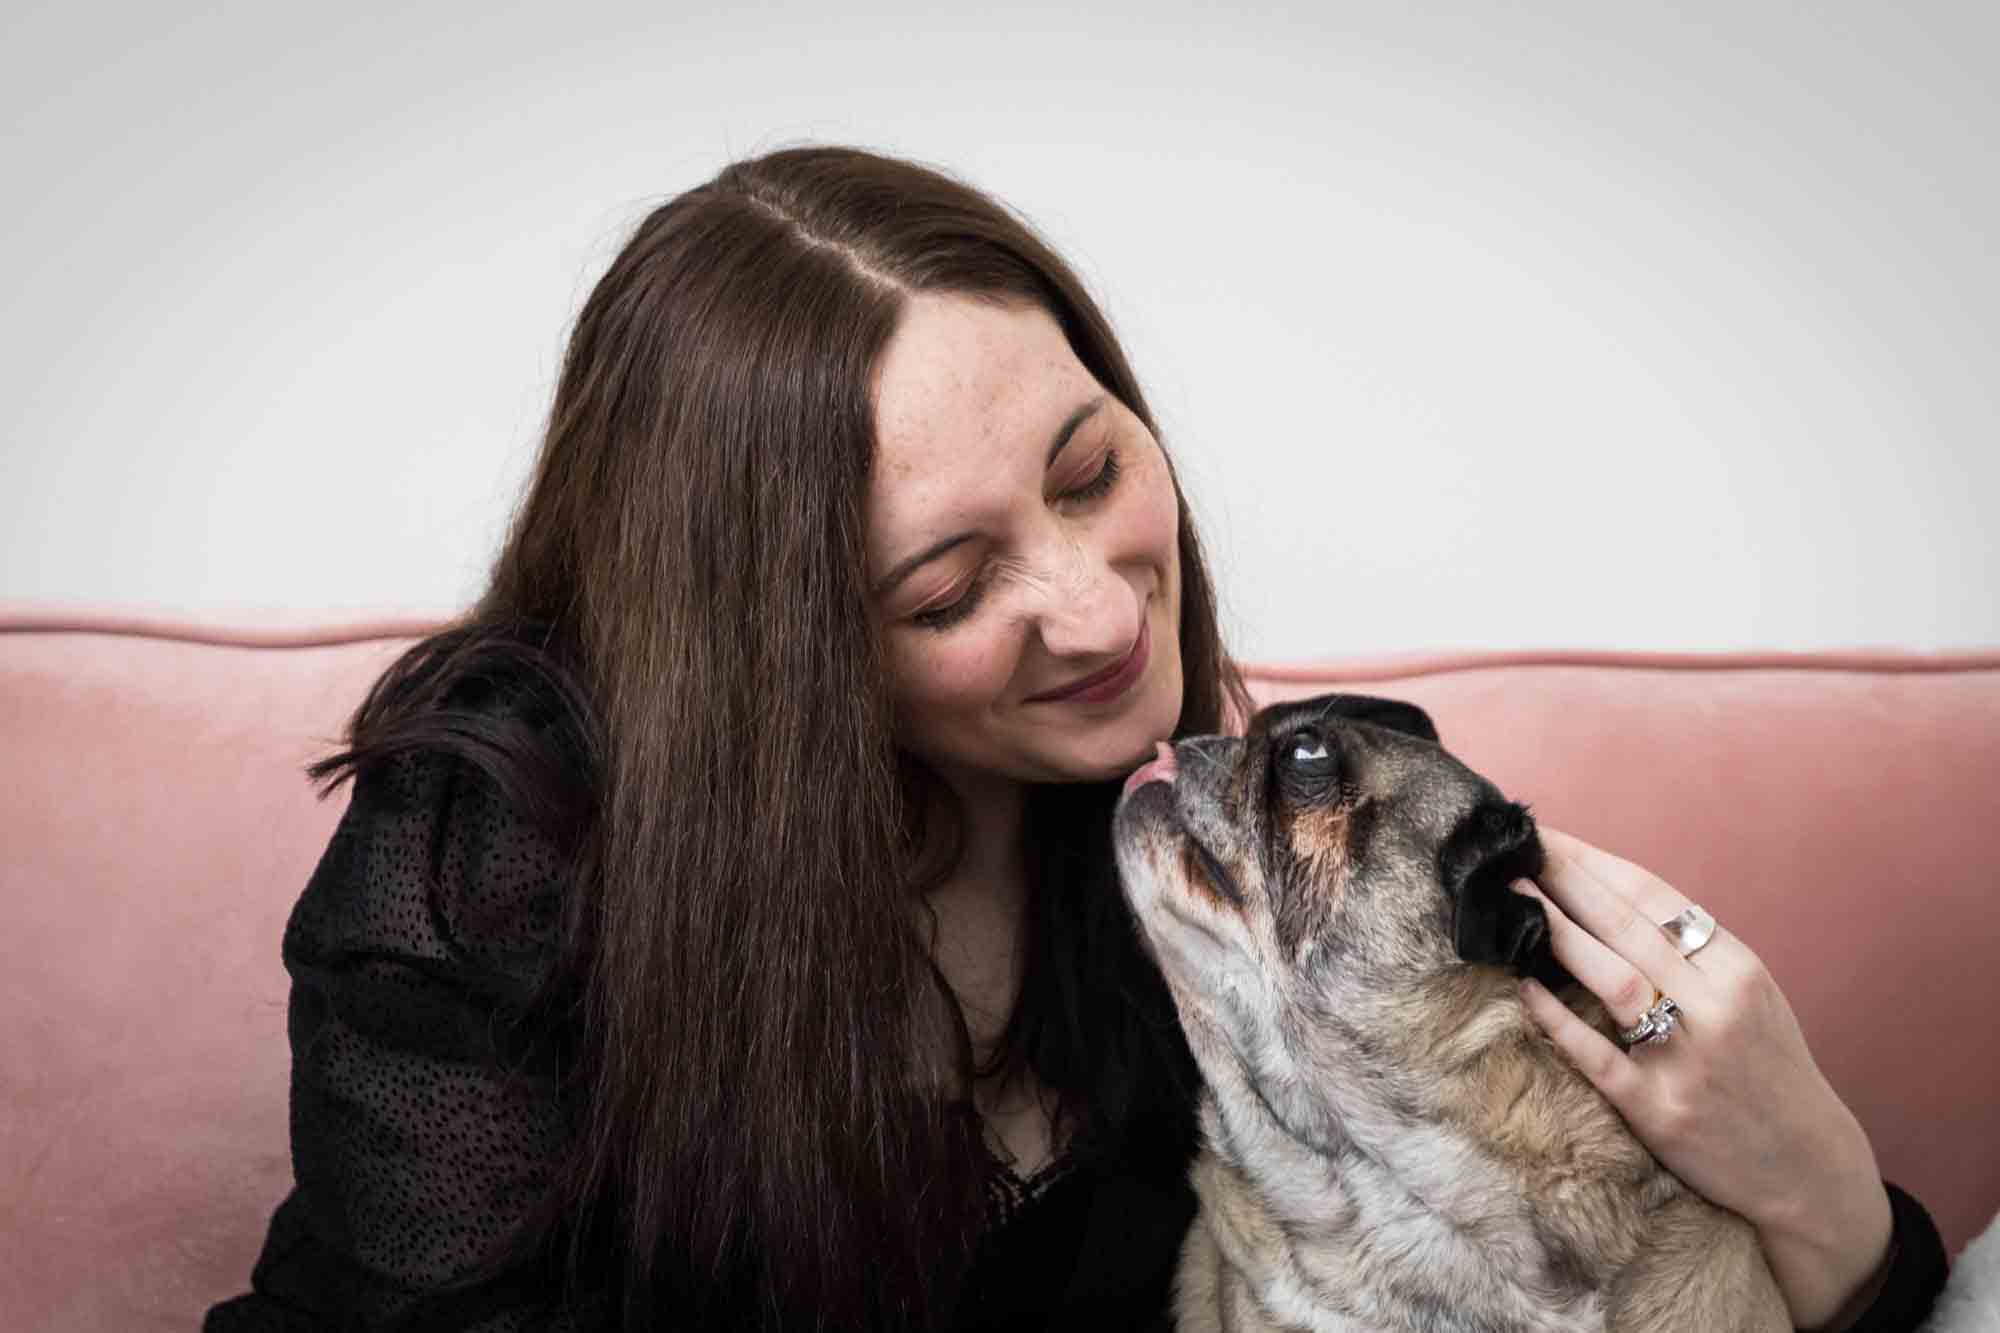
(944, 617)
(1098, 484)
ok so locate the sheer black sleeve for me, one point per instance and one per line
(424, 1119)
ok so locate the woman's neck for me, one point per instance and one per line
(980, 944)
(981, 910)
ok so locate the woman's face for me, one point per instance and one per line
(1023, 537)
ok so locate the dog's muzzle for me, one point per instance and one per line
(1492, 846)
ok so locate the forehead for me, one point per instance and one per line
(964, 387)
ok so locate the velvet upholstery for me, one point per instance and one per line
(156, 826)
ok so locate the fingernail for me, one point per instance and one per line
(1527, 886)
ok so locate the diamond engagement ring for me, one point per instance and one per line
(1690, 930)
(1654, 1026)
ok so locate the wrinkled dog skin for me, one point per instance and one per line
(1390, 1140)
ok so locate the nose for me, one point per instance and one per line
(1086, 608)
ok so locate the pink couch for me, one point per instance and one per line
(155, 828)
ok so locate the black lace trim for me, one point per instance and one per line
(1009, 1194)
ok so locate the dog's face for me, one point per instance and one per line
(1328, 896)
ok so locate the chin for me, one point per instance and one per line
(1126, 744)
(1112, 770)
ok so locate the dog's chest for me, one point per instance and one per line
(1347, 1243)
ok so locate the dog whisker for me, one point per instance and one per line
(1210, 760)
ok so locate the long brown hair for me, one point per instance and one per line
(770, 1081)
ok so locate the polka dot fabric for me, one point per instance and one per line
(423, 1123)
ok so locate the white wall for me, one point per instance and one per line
(1559, 325)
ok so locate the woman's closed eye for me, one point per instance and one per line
(1099, 484)
(944, 617)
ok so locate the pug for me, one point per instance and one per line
(1390, 1141)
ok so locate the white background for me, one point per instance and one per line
(1557, 325)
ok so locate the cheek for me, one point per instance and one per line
(1157, 519)
(1152, 527)
(955, 672)
(1319, 841)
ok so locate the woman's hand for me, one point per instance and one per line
(1732, 1103)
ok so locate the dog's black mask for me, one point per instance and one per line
(1486, 853)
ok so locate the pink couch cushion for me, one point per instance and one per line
(156, 829)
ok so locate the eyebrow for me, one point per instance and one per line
(1061, 438)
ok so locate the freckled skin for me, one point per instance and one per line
(968, 396)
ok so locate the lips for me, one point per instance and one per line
(1160, 768)
(1110, 682)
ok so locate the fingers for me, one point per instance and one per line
(1624, 990)
(1603, 895)
(1577, 873)
(1651, 895)
(1609, 1070)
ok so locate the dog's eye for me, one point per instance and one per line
(1305, 764)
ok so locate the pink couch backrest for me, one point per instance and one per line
(155, 828)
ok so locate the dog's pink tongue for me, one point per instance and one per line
(1160, 768)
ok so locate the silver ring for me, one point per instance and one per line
(1690, 930)
(1654, 1026)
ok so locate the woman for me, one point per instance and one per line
(723, 932)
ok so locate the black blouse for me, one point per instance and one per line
(419, 1135)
